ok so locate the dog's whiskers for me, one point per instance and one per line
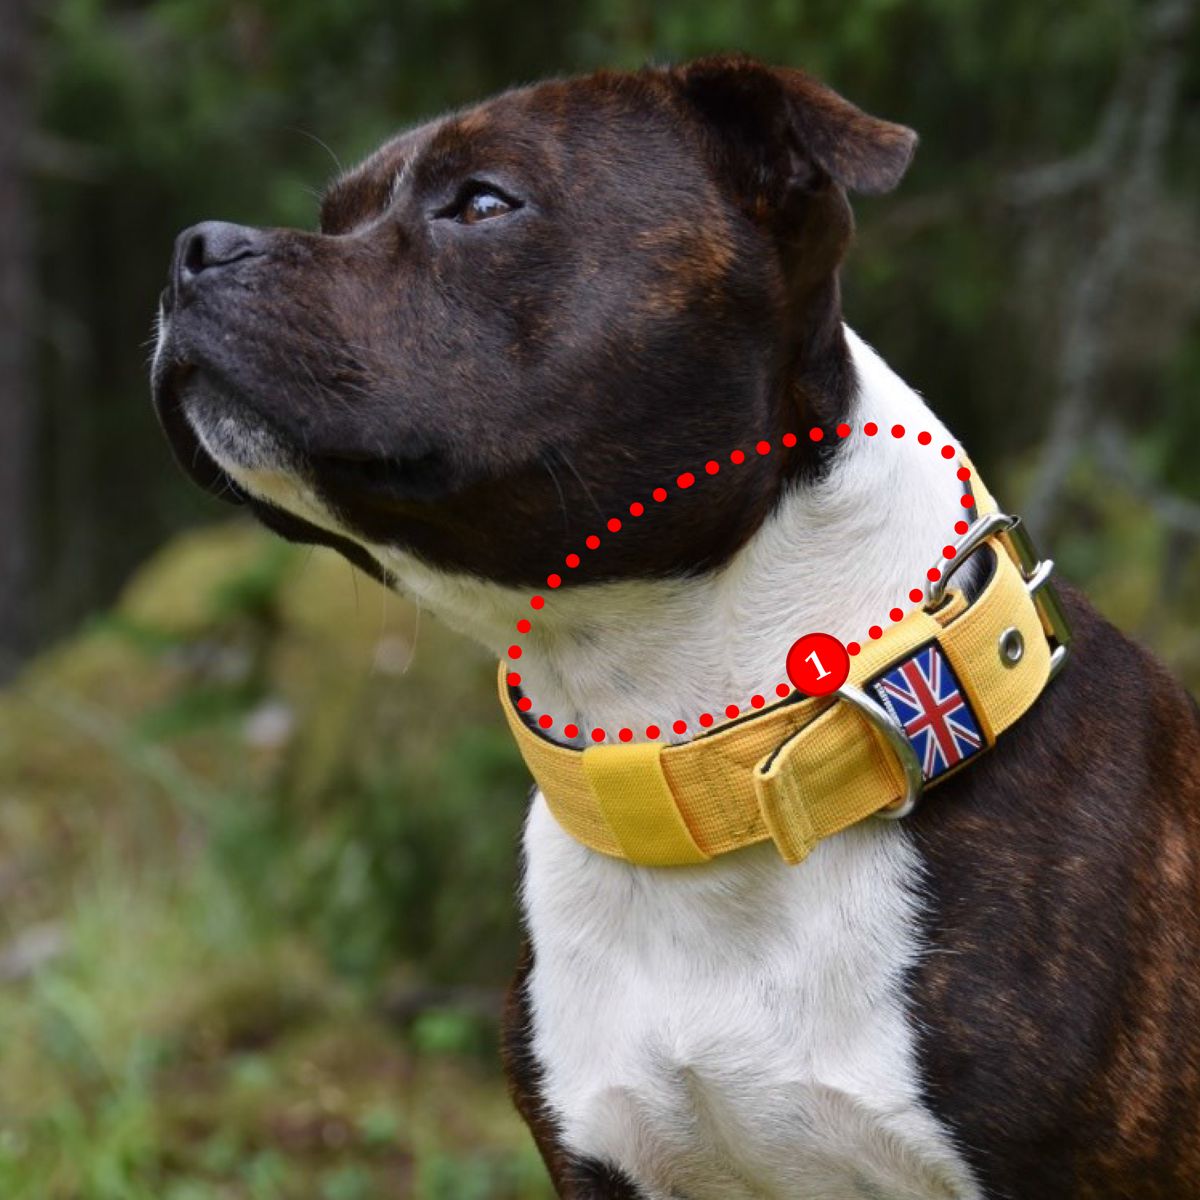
(582, 482)
(562, 501)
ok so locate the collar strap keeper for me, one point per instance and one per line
(949, 678)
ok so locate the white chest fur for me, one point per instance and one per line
(736, 1029)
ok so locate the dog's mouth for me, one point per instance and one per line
(171, 389)
(326, 494)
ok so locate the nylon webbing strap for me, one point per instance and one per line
(637, 805)
(796, 771)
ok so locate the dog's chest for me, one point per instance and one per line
(736, 1029)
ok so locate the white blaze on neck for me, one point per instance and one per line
(739, 1030)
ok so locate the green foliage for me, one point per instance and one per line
(210, 1023)
(173, 111)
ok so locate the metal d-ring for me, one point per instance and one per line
(979, 532)
(893, 734)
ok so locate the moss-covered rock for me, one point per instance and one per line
(236, 813)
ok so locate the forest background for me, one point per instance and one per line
(253, 929)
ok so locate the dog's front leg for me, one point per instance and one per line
(573, 1178)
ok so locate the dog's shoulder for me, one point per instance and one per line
(1062, 873)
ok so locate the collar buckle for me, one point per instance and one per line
(1035, 571)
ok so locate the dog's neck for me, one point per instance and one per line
(835, 556)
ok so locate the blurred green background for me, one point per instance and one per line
(258, 820)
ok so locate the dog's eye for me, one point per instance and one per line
(481, 204)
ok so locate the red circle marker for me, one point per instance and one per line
(897, 431)
(680, 726)
(853, 648)
(712, 466)
(967, 500)
(782, 689)
(816, 434)
(652, 731)
(660, 494)
(636, 509)
(875, 632)
(933, 574)
(686, 479)
(572, 560)
(896, 614)
(870, 429)
(514, 652)
(545, 720)
(757, 701)
(961, 527)
(916, 595)
(553, 580)
(706, 719)
(789, 439)
(947, 451)
(614, 525)
(524, 704)
(948, 552)
(523, 626)
(924, 438)
(737, 456)
(964, 473)
(818, 664)
(593, 542)
(625, 735)
(763, 447)
(843, 430)
(731, 710)
(537, 601)
(571, 730)
(513, 679)
(597, 735)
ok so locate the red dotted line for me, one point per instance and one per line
(686, 480)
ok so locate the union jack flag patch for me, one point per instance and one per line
(927, 700)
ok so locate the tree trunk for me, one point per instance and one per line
(16, 329)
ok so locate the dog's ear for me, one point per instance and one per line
(776, 130)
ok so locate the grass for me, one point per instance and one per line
(232, 832)
(180, 1049)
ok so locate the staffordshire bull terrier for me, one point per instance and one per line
(516, 325)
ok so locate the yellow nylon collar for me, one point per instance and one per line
(804, 768)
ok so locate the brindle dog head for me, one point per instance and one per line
(519, 319)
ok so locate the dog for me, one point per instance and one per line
(516, 322)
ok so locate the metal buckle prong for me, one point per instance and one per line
(893, 734)
(976, 535)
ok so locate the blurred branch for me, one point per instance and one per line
(59, 158)
(1056, 180)
(1176, 512)
(17, 434)
(1128, 150)
(404, 1006)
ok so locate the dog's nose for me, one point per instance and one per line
(208, 245)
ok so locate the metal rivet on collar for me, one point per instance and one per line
(1012, 647)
